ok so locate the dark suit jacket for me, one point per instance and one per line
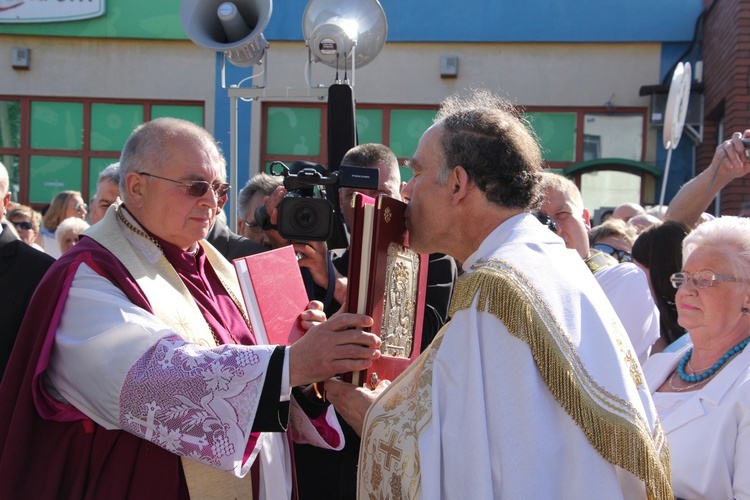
(21, 269)
(231, 245)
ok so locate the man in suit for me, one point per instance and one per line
(21, 269)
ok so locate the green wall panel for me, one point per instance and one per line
(141, 19)
(190, 113)
(557, 134)
(10, 124)
(293, 131)
(52, 174)
(369, 126)
(96, 165)
(112, 124)
(407, 126)
(57, 125)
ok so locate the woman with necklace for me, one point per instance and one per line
(702, 391)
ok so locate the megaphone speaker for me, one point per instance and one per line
(234, 28)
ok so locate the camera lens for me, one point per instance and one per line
(305, 218)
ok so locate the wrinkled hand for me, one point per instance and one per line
(729, 158)
(335, 346)
(352, 402)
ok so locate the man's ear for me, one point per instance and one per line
(458, 183)
(135, 188)
(222, 201)
(587, 219)
(5, 205)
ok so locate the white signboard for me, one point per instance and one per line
(49, 11)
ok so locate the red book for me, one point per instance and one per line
(389, 281)
(274, 295)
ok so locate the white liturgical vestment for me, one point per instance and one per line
(532, 390)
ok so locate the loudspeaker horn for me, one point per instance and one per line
(234, 28)
(332, 28)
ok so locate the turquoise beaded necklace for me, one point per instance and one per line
(699, 377)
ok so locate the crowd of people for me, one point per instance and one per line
(559, 360)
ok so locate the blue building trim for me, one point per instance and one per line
(572, 21)
(222, 124)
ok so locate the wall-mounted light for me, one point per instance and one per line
(21, 57)
(448, 66)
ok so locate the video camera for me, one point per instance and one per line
(303, 216)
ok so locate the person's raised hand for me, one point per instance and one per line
(332, 347)
(730, 160)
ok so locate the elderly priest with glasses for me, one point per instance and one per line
(136, 373)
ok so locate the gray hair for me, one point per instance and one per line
(728, 232)
(146, 151)
(110, 174)
(551, 180)
(70, 224)
(484, 134)
(259, 183)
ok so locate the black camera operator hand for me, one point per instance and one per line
(271, 204)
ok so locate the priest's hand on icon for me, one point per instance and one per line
(337, 345)
(352, 402)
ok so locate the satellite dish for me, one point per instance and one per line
(677, 105)
(674, 116)
(332, 28)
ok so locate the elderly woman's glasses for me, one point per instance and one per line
(620, 255)
(197, 188)
(701, 279)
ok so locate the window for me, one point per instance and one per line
(567, 136)
(299, 131)
(53, 144)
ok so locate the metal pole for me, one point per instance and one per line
(233, 160)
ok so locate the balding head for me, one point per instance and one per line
(627, 211)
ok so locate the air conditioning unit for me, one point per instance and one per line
(694, 116)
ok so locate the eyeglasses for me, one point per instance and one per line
(197, 188)
(82, 207)
(620, 255)
(253, 226)
(701, 279)
(25, 226)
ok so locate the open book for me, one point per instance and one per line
(274, 295)
(388, 281)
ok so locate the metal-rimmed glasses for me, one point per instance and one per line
(620, 255)
(196, 189)
(82, 208)
(701, 279)
(253, 226)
